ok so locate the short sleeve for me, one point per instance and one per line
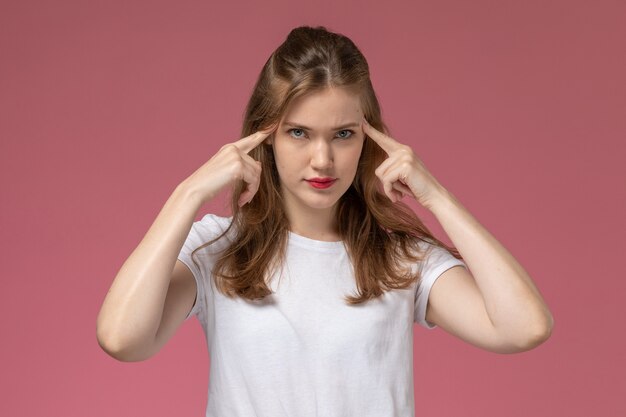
(436, 261)
(208, 228)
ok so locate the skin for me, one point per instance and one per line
(312, 146)
(494, 305)
(153, 291)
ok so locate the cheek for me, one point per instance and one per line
(283, 150)
(355, 155)
(285, 162)
(279, 152)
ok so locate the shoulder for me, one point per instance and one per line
(428, 249)
(209, 227)
(436, 260)
(421, 249)
(214, 221)
(431, 259)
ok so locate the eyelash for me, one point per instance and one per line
(344, 130)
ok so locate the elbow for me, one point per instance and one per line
(538, 337)
(117, 351)
(538, 334)
(524, 336)
(107, 345)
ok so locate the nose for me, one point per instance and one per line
(321, 155)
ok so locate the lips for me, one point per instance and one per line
(321, 182)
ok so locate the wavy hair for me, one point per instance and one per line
(379, 235)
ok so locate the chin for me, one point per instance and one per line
(318, 201)
(321, 204)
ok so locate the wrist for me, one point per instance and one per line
(439, 199)
(186, 191)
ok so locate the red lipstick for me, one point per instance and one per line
(321, 182)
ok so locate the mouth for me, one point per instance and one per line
(321, 182)
(321, 179)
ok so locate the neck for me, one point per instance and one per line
(314, 223)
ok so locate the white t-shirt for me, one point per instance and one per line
(303, 351)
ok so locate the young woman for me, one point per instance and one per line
(308, 293)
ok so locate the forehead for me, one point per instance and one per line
(325, 109)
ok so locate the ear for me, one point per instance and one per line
(269, 140)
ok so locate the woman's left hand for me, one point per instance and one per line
(403, 173)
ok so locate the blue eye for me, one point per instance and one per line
(346, 137)
(350, 133)
(291, 130)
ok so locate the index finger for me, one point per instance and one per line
(384, 141)
(252, 141)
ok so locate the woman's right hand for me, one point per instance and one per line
(230, 164)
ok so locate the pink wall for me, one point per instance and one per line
(518, 108)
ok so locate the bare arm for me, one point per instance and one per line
(152, 293)
(497, 307)
(132, 310)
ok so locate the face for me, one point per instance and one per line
(319, 137)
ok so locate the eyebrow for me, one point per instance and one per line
(308, 128)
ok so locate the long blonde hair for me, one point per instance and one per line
(377, 233)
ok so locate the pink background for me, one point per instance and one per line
(518, 108)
